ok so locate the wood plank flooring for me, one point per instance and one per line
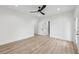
(39, 45)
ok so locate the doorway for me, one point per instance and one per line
(44, 28)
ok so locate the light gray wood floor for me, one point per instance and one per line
(39, 45)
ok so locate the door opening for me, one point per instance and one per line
(44, 28)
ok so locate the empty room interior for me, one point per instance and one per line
(39, 29)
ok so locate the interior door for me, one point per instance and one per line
(77, 32)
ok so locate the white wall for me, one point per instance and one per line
(36, 27)
(61, 26)
(14, 26)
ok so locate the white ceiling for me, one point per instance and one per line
(49, 10)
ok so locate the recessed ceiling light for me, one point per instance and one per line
(58, 9)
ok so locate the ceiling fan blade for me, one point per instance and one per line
(33, 11)
(42, 8)
(42, 13)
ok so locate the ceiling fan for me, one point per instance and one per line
(40, 10)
